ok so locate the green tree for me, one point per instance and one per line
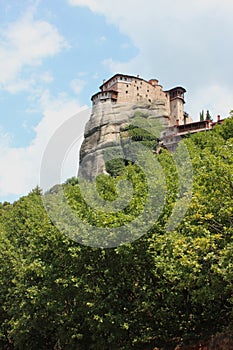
(201, 115)
(208, 116)
(163, 289)
(226, 129)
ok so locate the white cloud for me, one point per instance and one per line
(20, 167)
(180, 42)
(129, 9)
(46, 77)
(101, 40)
(82, 74)
(92, 4)
(77, 85)
(216, 98)
(5, 139)
(29, 84)
(115, 66)
(19, 84)
(24, 43)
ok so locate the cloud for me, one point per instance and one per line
(20, 167)
(46, 77)
(92, 4)
(19, 84)
(77, 85)
(122, 10)
(218, 99)
(25, 43)
(101, 40)
(180, 42)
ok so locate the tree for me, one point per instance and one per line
(226, 129)
(201, 115)
(208, 117)
(161, 290)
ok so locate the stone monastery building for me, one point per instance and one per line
(131, 89)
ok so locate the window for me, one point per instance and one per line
(137, 88)
(126, 92)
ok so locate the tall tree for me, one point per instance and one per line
(202, 115)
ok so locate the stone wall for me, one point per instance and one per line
(134, 89)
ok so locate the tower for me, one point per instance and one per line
(177, 105)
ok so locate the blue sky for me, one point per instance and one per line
(55, 54)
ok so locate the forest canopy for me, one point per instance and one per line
(163, 289)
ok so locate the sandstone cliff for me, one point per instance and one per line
(104, 130)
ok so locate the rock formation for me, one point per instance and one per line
(114, 108)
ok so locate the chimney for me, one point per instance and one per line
(153, 82)
(218, 118)
(185, 117)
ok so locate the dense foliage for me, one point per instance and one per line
(143, 131)
(164, 289)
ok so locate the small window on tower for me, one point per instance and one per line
(126, 92)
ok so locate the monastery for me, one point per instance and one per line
(113, 108)
(127, 88)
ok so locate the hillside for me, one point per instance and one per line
(164, 290)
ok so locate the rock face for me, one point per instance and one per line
(114, 108)
(105, 129)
